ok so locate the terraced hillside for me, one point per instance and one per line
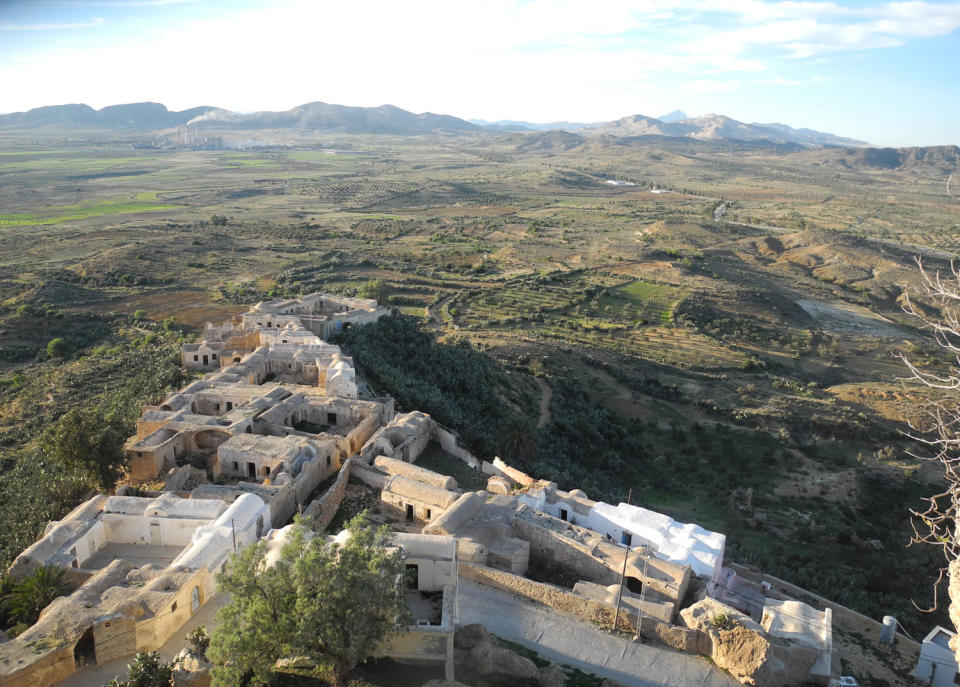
(688, 356)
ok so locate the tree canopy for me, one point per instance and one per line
(333, 604)
(375, 289)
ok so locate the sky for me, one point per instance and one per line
(884, 72)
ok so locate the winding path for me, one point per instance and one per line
(546, 393)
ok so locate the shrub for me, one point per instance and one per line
(139, 314)
(147, 670)
(58, 348)
(723, 621)
(199, 641)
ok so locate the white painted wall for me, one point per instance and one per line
(121, 528)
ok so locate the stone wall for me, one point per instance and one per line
(682, 638)
(449, 442)
(553, 548)
(843, 618)
(517, 476)
(323, 509)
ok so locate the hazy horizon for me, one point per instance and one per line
(878, 72)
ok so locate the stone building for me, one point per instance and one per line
(682, 543)
(139, 568)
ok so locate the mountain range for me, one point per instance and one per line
(388, 119)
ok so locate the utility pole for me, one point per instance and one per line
(643, 593)
(623, 572)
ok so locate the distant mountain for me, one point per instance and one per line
(517, 125)
(385, 119)
(811, 137)
(718, 127)
(675, 116)
(145, 116)
(388, 119)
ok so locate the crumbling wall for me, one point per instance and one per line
(554, 548)
(682, 638)
(322, 510)
(360, 434)
(517, 476)
(449, 442)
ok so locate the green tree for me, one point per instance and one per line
(58, 348)
(91, 438)
(147, 670)
(331, 603)
(375, 289)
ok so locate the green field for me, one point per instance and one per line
(146, 201)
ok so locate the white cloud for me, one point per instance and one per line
(537, 59)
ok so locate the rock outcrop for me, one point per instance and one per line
(741, 646)
(191, 670)
(479, 659)
(954, 589)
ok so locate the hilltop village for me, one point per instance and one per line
(279, 423)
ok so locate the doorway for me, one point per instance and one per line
(206, 360)
(409, 511)
(155, 538)
(84, 653)
(412, 576)
(252, 470)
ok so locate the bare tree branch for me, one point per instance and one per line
(939, 430)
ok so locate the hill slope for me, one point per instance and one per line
(130, 116)
(718, 127)
(386, 119)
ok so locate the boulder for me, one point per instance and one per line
(184, 478)
(469, 636)
(478, 655)
(738, 644)
(190, 670)
(551, 676)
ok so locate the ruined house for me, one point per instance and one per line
(139, 567)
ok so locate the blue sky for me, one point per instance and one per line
(885, 72)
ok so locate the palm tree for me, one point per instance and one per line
(518, 439)
(35, 592)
